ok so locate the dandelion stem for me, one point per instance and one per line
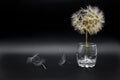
(86, 44)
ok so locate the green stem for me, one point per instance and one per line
(86, 44)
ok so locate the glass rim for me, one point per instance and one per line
(89, 43)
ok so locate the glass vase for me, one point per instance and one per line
(87, 55)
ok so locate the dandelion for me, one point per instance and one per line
(89, 20)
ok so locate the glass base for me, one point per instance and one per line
(86, 62)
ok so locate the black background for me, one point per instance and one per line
(30, 18)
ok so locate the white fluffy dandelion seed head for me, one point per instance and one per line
(90, 19)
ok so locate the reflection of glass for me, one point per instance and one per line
(37, 60)
(86, 56)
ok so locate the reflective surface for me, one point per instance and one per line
(14, 67)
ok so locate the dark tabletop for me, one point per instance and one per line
(14, 66)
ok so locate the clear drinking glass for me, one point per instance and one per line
(86, 56)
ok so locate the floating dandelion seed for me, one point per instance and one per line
(37, 61)
(90, 19)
